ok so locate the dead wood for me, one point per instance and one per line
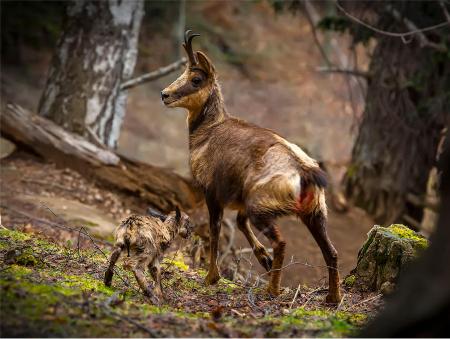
(157, 186)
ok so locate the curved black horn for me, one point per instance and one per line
(188, 36)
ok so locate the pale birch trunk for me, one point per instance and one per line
(96, 53)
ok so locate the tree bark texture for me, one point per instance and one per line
(95, 54)
(406, 110)
(421, 305)
(157, 186)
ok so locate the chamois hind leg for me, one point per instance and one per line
(138, 271)
(112, 262)
(215, 218)
(155, 271)
(259, 250)
(317, 223)
(271, 231)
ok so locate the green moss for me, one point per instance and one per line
(85, 283)
(350, 280)
(177, 263)
(15, 236)
(50, 300)
(366, 245)
(328, 323)
(18, 271)
(404, 232)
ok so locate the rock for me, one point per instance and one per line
(387, 251)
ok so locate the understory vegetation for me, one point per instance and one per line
(53, 290)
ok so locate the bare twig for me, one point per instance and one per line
(410, 25)
(341, 302)
(295, 296)
(312, 24)
(311, 295)
(444, 9)
(365, 301)
(292, 262)
(401, 35)
(160, 72)
(53, 224)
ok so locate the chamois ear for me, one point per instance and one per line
(205, 63)
(177, 214)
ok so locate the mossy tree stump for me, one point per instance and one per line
(387, 251)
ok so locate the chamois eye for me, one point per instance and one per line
(196, 81)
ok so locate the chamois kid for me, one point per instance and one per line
(250, 169)
(145, 238)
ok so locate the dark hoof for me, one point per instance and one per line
(273, 291)
(334, 298)
(264, 259)
(108, 278)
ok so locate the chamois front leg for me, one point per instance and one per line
(112, 262)
(215, 219)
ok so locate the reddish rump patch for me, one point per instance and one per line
(304, 200)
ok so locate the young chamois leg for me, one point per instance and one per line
(259, 250)
(112, 262)
(215, 219)
(155, 271)
(271, 231)
(138, 271)
(316, 223)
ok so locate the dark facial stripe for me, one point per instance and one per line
(188, 87)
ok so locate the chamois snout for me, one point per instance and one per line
(164, 96)
(183, 223)
(186, 229)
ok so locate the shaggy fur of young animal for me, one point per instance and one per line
(144, 239)
(250, 169)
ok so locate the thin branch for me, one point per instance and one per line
(159, 73)
(401, 35)
(295, 296)
(410, 25)
(364, 301)
(308, 9)
(444, 9)
(354, 72)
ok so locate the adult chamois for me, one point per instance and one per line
(250, 169)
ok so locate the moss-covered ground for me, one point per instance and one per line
(53, 290)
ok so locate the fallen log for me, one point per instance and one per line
(157, 186)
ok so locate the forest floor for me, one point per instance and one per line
(51, 274)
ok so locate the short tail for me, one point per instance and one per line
(127, 243)
(314, 176)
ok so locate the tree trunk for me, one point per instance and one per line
(421, 305)
(157, 186)
(400, 130)
(96, 53)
